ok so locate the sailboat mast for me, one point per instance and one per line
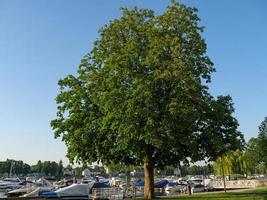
(11, 169)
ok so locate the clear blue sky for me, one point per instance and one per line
(42, 41)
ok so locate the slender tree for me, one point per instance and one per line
(256, 151)
(262, 142)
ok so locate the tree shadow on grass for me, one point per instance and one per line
(251, 195)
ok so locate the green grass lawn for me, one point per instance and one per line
(257, 194)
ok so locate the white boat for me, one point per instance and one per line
(34, 188)
(197, 188)
(174, 187)
(75, 190)
(11, 183)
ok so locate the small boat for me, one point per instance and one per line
(118, 182)
(34, 188)
(161, 183)
(139, 183)
(197, 188)
(97, 179)
(158, 184)
(63, 183)
(174, 187)
(87, 180)
(11, 183)
(75, 190)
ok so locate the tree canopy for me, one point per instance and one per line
(141, 95)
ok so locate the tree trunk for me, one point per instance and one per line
(224, 184)
(149, 181)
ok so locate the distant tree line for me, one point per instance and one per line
(198, 170)
(187, 170)
(48, 168)
(19, 167)
(252, 160)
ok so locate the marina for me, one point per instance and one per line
(116, 187)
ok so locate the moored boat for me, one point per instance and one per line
(11, 183)
(39, 186)
(75, 190)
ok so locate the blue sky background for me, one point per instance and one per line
(42, 41)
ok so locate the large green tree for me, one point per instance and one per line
(141, 97)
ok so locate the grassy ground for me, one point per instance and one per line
(257, 194)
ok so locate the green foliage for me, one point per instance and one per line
(117, 168)
(262, 141)
(141, 96)
(49, 168)
(253, 160)
(235, 162)
(19, 168)
(253, 155)
(198, 170)
(78, 172)
(166, 171)
(60, 170)
(256, 151)
(188, 170)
